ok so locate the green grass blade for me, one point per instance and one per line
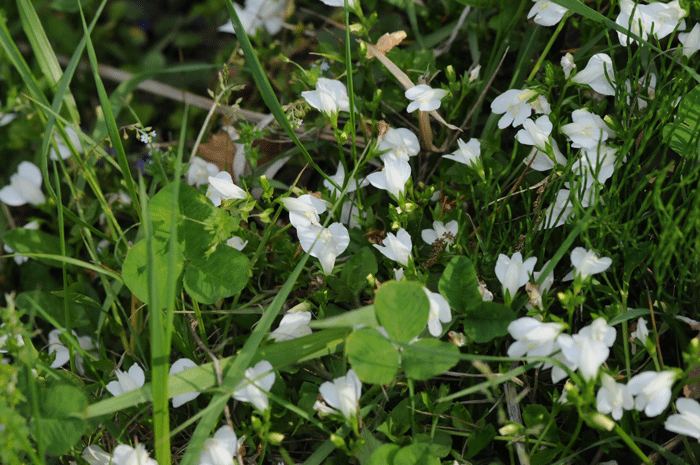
(44, 53)
(112, 128)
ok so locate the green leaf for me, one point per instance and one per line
(135, 271)
(372, 356)
(53, 306)
(416, 454)
(402, 309)
(384, 455)
(221, 274)
(34, 241)
(479, 439)
(487, 321)
(459, 284)
(200, 224)
(356, 270)
(683, 135)
(61, 421)
(461, 418)
(371, 445)
(440, 444)
(427, 358)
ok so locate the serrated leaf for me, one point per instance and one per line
(402, 309)
(487, 321)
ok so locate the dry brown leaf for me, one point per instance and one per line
(387, 42)
(382, 128)
(220, 150)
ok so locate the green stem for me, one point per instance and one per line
(627, 440)
(560, 26)
(574, 436)
(411, 391)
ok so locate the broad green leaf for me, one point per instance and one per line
(356, 270)
(479, 439)
(416, 454)
(427, 358)
(372, 444)
(200, 224)
(461, 418)
(53, 306)
(683, 135)
(402, 309)
(362, 316)
(372, 356)
(459, 284)
(440, 444)
(23, 240)
(134, 269)
(61, 421)
(487, 321)
(384, 455)
(220, 274)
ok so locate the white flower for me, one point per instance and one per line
(343, 393)
(557, 213)
(126, 455)
(424, 98)
(5, 119)
(256, 384)
(392, 177)
(663, 18)
(446, 232)
(340, 3)
(401, 144)
(587, 130)
(687, 420)
(348, 213)
(532, 337)
(330, 97)
(486, 295)
(588, 349)
(237, 243)
(304, 211)
(220, 449)
(398, 274)
(3, 341)
(546, 13)
(439, 312)
(641, 332)
(690, 40)
(567, 63)
(126, 382)
(258, 13)
(474, 73)
(61, 351)
(25, 186)
(199, 171)
(540, 161)
(324, 244)
(63, 150)
(221, 187)
(513, 104)
(397, 248)
(652, 391)
(548, 280)
(95, 455)
(19, 259)
(613, 397)
(468, 153)
(179, 366)
(293, 325)
(598, 74)
(513, 273)
(535, 132)
(586, 263)
(339, 178)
